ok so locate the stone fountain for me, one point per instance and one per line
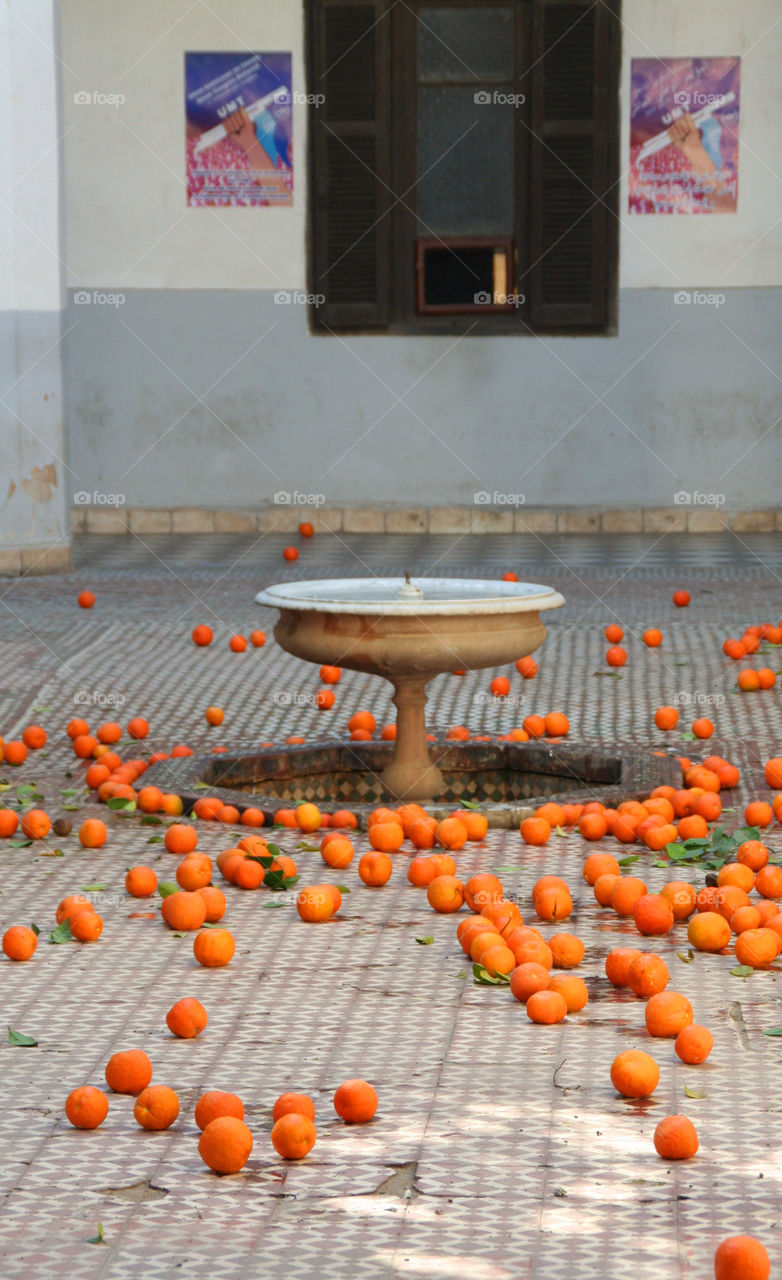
(408, 632)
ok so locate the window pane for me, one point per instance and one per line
(465, 157)
(465, 44)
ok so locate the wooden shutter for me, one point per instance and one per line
(572, 163)
(350, 171)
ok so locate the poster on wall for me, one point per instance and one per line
(238, 119)
(684, 135)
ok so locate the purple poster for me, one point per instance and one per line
(238, 113)
(684, 135)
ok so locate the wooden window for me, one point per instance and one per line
(460, 144)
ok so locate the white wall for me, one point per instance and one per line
(34, 476)
(127, 221)
(128, 224)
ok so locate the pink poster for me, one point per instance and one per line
(684, 135)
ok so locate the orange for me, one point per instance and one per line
(635, 1074)
(482, 891)
(675, 1138)
(547, 1007)
(527, 667)
(87, 1107)
(681, 896)
(738, 874)
(476, 823)
(553, 903)
(248, 874)
(181, 838)
(294, 1103)
(187, 1018)
(214, 901)
(752, 854)
(212, 1105)
(505, 916)
(72, 906)
(15, 753)
(362, 720)
(666, 718)
(554, 814)
(647, 974)
(572, 989)
(444, 864)
(692, 827)
(741, 1258)
(768, 882)
(745, 918)
(290, 553)
(157, 1107)
(600, 864)
(681, 599)
(337, 851)
(758, 814)
(109, 732)
(19, 942)
(708, 931)
(34, 737)
(535, 831)
(194, 871)
(307, 817)
(355, 1101)
(324, 699)
(421, 872)
(567, 950)
(653, 914)
(593, 826)
(694, 1043)
(83, 746)
(129, 1071)
(315, 903)
(666, 1013)
(526, 979)
(375, 868)
(617, 965)
(652, 637)
(757, 947)
(344, 818)
(702, 728)
(773, 773)
(535, 726)
(728, 900)
(616, 656)
(445, 894)
(497, 958)
(293, 1136)
(237, 644)
(86, 926)
(626, 893)
(557, 724)
(9, 821)
(85, 599)
(138, 727)
(225, 1144)
(214, 948)
(36, 824)
(451, 833)
(528, 947)
(500, 686)
(386, 837)
(613, 633)
(92, 834)
(603, 889)
(214, 715)
(183, 910)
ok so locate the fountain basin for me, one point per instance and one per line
(506, 781)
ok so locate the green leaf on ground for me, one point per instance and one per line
(62, 933)
(742, 971)
(93, 888)
(166, 888)
(99, 1238)
(469, 804)
(462, 973)
(19, 844)
(694, 1093)
(119, 804)
(560, 831)
(626, 862)
(19, 1040)
(68, 791)
(311, 848)
(155, 840)
(425, 942)
(482, 977)
(276, 903)
(35, 929)
(771, 1031)
(343, 888)
(72, 808)
(688, 958)
(150, 820)
(688, 737)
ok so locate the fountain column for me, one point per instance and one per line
(411, 774)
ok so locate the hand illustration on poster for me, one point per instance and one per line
(684, 135)
(239, 127)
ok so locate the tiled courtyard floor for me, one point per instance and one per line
(500, 1150)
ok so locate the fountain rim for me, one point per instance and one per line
(507, 597)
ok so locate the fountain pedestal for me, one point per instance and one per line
(411, 774)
